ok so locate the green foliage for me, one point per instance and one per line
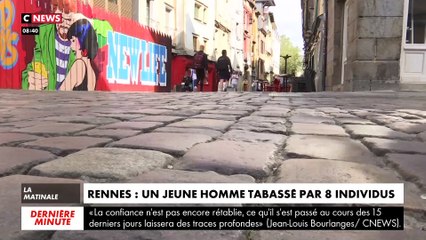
(295, 63)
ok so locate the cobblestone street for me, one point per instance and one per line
(376, 137)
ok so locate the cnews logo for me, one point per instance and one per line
(39, 18)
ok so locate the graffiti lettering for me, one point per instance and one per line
(133, 61)
(8, 38)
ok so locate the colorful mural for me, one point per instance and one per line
(89, 50)
(8, 38)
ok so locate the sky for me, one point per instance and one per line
(288, 17)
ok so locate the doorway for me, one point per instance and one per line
(413, 54)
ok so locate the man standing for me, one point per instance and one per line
(52, 53)
(201, 66)
(224, 70)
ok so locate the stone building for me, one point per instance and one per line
(370, 44)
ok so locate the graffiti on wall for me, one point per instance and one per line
(8, 38)
(89, 49)
(134, 61)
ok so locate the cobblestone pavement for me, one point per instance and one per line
(211, 137)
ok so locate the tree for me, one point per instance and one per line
(294, 64)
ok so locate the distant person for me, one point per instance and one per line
(234, 80)
(224, 70)
(201, 66)
(187, 81)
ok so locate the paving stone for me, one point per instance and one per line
(121, 116)
(414, 112)
(184, 113)
(172, 143)
(411, 167)
(208, 132)
(422, 136)
(220, 125)
(258, 119)
(19, 160)
(408, 127)
(343, 235)
(275, 108)
(360, 131)
(306, 118)
(384, 119)
(66, 145)
(55, 128)
(6, 129)
(110, 133)
(22, 123)
(382, 146)
(343, 115)
(110, 164)
(10, 195)
(353, 120)
(227, 112)
(152, 111)
(318, 129)
(162, 118)
(262, 127)
(330, 110)
(82, 119)
(333, 171)
(405, 115)
(178, 176)
(230, 157)
(142, 126)
(247, 136)
(149, 235)
(217, 116)
(272, 113)
(329, 147)
(15, 138)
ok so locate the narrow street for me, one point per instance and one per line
(364, 137)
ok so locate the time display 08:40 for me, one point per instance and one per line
(30, 30)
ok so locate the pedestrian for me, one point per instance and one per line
(234, 80)
(187, 81)
(201, 66)
(224, 70)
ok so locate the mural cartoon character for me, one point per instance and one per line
(81, 76)
(53, 57)
(8, 38)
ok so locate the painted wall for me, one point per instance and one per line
(101, 52)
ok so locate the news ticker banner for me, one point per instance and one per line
(79, 216)
(212, 218)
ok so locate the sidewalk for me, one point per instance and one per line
(377, 137)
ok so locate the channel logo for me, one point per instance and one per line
(41, 18)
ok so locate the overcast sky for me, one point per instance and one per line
(288, 16)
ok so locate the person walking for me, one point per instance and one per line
(234, 80)
(201, 66)
(224, 70)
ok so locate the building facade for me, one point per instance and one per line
(370, 45)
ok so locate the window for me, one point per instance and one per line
(416, 22)
(148, 12)
(205, 44)
(195, 43)
(169, 22)
(205, 15)
(113, 1)
(198, 13)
